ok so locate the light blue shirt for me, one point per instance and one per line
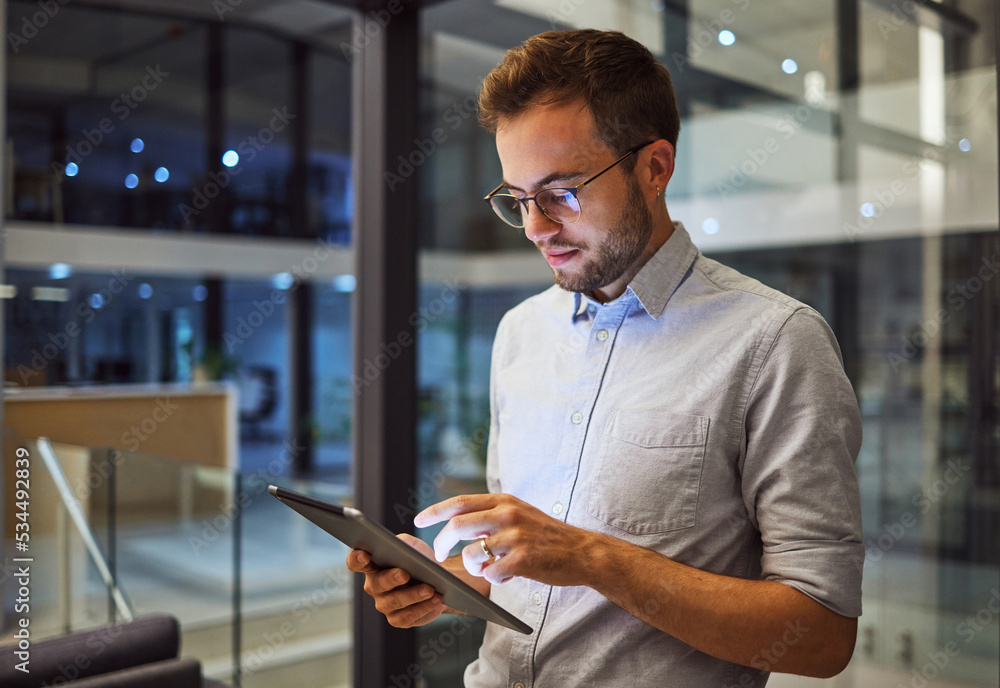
(701, 415)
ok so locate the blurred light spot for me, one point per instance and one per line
(726, 37)
(868, 210)
(131, 181)
(162, 174)
(283, 280)
(964, 145)
(230, 158)
(710, 226)
(7, 291)
(145, 291)
(815, 83)
(96, 301)
(789, 66)
(59, 271)
(200, 292)
(345, 283)
(137, 145)
(71, 169)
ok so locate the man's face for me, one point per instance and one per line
(557, 146)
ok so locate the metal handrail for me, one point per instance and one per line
(75, 513)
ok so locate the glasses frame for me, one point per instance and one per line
(574, 190)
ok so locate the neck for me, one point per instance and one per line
(663, 229)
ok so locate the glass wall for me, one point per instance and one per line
(140, 139)
(846, 158)
(204, 544)
(100, 328)
(159, 121)
(153, 121)
(105, 124)
(332, 390)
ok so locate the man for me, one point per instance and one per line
(671, 462)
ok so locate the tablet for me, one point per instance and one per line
(352, 528)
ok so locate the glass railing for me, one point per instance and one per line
(262, 595)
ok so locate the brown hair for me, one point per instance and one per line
(627, 91)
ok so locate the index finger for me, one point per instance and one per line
(462, 527)
(449, 508)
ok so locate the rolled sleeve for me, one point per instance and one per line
(800, 487)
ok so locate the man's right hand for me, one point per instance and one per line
(404, 605)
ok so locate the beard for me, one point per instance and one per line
(617, 251)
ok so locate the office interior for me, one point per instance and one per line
(221, 219)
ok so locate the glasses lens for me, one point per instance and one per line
(508, 208)
(560, 205)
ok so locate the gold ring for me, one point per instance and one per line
(486, 549)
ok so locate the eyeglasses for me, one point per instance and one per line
(559, 205)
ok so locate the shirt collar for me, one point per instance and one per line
(584, 305)
(580, 305)
(658, 279)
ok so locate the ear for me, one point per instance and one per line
(661, 165)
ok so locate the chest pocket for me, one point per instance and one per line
(649, 475)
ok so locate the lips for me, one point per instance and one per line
(556, 257)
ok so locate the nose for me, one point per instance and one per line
(537, 225)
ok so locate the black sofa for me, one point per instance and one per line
(142, 653)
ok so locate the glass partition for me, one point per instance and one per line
(87, 329)
(116, 116)
(106, 127)
(101, 327)
(333, 388)
(262, 595)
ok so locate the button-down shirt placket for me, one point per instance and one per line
(600, 324)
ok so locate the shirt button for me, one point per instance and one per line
(557, 508)
(518, 685)
(577, 418)
(536, 599)
(602, 335)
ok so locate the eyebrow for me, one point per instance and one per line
(544, 182)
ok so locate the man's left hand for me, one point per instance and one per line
(524, 541)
